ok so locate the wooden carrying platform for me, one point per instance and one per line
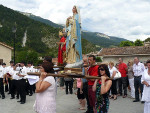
(72, 75)
(77, 71)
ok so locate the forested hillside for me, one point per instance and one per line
(41, 37)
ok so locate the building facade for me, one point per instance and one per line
(126, 53)
(5, 53)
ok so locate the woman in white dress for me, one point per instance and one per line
(146, 91)
(45, 91)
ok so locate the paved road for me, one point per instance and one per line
(69, 104)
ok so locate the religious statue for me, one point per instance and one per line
(62, 48)
(73, 41)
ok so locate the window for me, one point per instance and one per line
(1, 61)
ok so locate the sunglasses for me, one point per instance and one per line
(101, 69)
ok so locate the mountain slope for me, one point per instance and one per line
(37, 18)
(36, 31)
(101, 39)
(41, 37)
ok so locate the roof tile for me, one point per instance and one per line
(125, 50)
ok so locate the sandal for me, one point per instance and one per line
(82, 108)
(111, 97)
(124, 96)
(115, 98)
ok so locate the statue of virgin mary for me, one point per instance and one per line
(73, 41)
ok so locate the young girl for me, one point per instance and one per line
(80, 94)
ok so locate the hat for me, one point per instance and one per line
(23, 62)
(11, 61)
(3, 63)
(29, 62)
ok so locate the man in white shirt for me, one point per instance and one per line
(22, 83)
(138, 69)
(8, 70)
(5, 70)
(30, 88)
(4, 66)
(1, 81)
(14, 85)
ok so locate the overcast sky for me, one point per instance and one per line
(129, 19)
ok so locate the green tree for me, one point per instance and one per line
(39, 62)
(126, 43)
(21, 56)
(147, 40)
(27, 56)
(32, 56)
(98, 59)
(138, 42)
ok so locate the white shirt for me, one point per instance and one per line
(112, 70)
(9, 69)
(146, 90)
(5, 70)
(145, 77)
(31, 78)
(30, 69)
(36, 70)
(14, 74)
(1, 71)
(23, 71)
(138, 69)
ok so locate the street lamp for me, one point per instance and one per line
(14, 29)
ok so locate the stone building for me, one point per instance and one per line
(127, 53)
(5, 53)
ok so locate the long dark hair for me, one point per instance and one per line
(105, 67)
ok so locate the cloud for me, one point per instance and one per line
(123, 18)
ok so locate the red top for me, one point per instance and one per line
(122, 69)
(61, 50)
(92, 71)
(63, 39)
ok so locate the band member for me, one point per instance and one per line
(1, 81)
(22, 83)
(30, 88)
(14, 82)
(8, 70)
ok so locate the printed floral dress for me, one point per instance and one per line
(102, 101)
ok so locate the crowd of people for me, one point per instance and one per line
(116, 79)
(13, 80)
(95, 92)
(133, 77)
(123, 76)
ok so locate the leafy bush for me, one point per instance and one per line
(98, 59)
